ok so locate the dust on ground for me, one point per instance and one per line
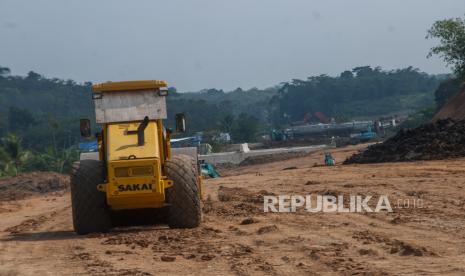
(238, 238)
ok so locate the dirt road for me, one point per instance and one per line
(238, 238)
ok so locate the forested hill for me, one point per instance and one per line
(361, 92)
(45, 112)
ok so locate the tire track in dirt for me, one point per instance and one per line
(96, 266)
(33, 246)
(34, 223)
(41, 232)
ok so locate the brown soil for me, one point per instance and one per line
(29, 184)
(238, 238)
(263, 159)
(454, 108)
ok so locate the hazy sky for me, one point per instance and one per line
(215, 43)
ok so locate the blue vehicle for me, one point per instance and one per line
(88, 146)
(365, 136)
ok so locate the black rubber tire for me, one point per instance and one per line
(90, 212)
(184, 210)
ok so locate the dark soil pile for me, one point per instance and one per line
(454, 108)
(269, 158)
(434, 141)
(28, 184)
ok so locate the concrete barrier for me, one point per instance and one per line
(238, 157)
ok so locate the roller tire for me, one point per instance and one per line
(90, 212)
(184, 209)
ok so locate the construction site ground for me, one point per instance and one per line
(238, 238)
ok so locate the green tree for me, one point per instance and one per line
(245, 128)
(43, 161)
(54, 126)
(226, 123)
(19, 119)
(4, 71)
(66, 159)
(13, 154)
(451, 48)
(5, 163)
(33, 76)
(363, 92)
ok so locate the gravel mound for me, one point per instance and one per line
(434, 141)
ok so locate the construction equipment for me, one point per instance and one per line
(209, 170)
(363, 136)
(329, 159)
(134, 169)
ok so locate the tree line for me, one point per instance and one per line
(39, 116)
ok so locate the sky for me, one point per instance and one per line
(217, 43)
